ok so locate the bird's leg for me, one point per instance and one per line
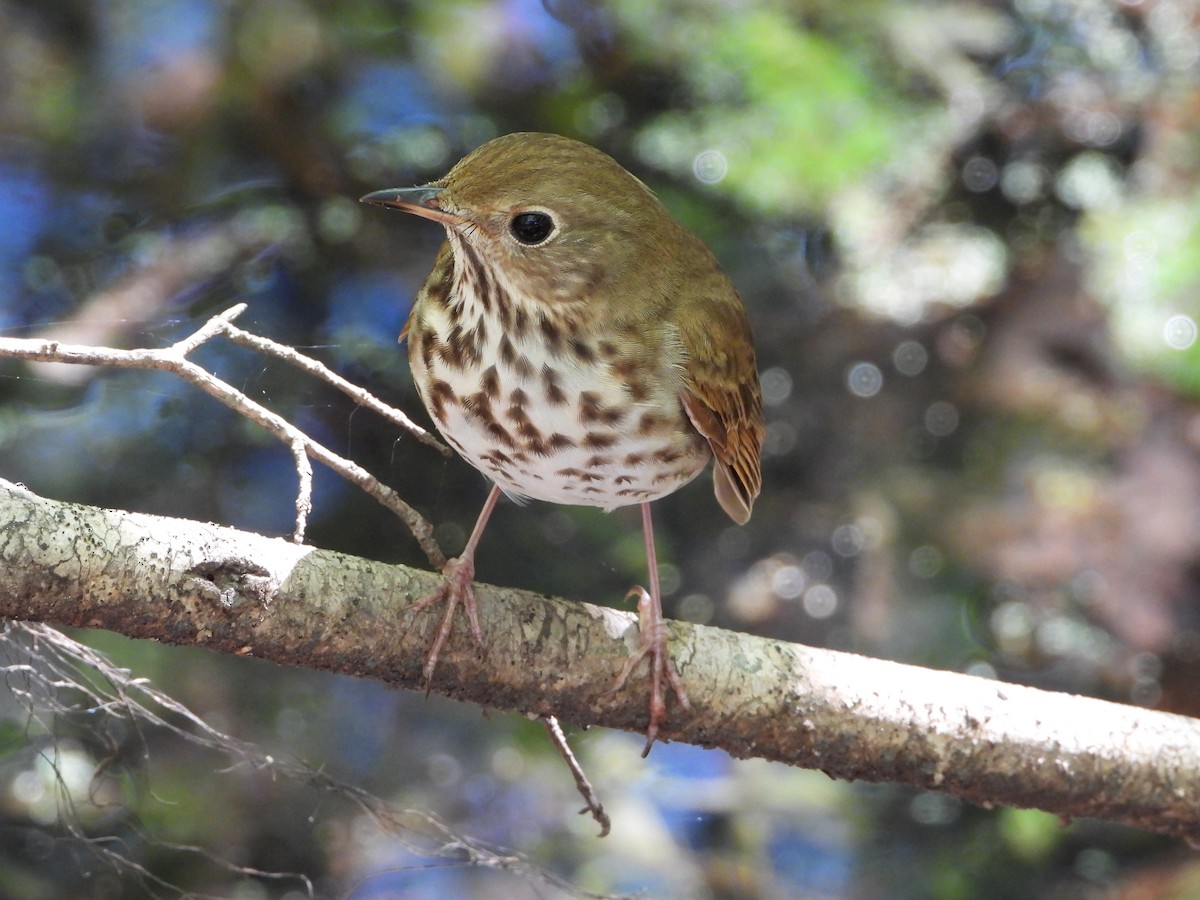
(653, 642)
(459, 588)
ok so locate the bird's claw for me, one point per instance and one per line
(458, 589)
(653, 644)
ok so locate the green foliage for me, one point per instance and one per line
(1148, 269)
(1029, 834)
(795, 114)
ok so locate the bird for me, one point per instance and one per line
(577, 344)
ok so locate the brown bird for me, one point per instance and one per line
(576, 344)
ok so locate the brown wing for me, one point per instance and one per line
(721, 394)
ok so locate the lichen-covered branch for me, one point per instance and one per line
(190, 583)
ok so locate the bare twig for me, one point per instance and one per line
(592, 803)
(173, 359)
(57, 678)
(320, 370)
(304, 492)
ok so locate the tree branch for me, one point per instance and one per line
(173, 359)
(190, 583)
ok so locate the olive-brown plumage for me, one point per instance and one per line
(576, 344)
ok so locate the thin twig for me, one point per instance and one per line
(72, 680)
(210, 329)
(320, 370)
(172, 359)
(594, 806)
(304, 494)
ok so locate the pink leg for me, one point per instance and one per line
(653, 642)
(460, 573)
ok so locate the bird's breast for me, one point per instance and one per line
(553, 404)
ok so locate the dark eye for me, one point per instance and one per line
(531, 227)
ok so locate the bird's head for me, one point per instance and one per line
(560, 219)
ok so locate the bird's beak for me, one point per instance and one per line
(424, 201)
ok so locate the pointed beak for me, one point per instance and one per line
(421, 201)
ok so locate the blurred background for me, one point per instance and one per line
(968, 236)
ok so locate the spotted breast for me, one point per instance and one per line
(544, 399)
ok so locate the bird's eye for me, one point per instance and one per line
(531, 228)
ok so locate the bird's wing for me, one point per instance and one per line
(721, 396)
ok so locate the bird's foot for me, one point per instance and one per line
(459, 589)
(653, 645)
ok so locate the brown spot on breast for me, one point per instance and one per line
(437, 290)
(637, 389)
(516, 406)
(554, 393)
(607, 349)
(428, 345)
(569, 473)
(598, 460)
(535, 442)
(520, 323)
(589, 406)
(506, 350)
(551, 333)
(504, 303)
(653, 423)
(625, 369)
(496, 456)
(583, 351)
(461, 347)
(623, 479)
(558, 441)
(475, 274)
(529, 431)
(479, 405)
(439, 395)
(490, 382)
(500, 434)
(592, 410)
(667, 455)
(634, 459)
(598, 440)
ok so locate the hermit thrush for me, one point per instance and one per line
(576, 344)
